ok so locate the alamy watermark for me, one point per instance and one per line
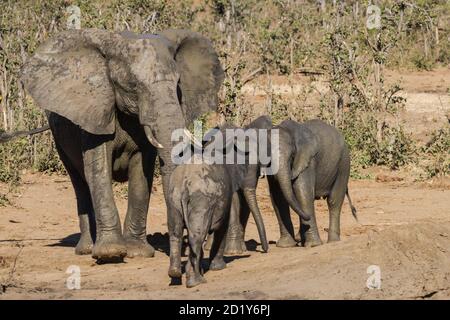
(373, 17)
(374, 280)
(74, 18)
(73, 281)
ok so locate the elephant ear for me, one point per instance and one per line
(307, 148)
(67, 75)
(201, 74)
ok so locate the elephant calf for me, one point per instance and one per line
(200, 196)
(201, 203)
(314, 163)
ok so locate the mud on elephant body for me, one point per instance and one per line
(113, 101)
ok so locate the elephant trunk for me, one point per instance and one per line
(284, 179)
(250, 197)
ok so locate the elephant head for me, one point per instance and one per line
(165, 80)
(295, 153)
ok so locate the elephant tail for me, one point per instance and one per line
(184, 208)
(7, 136)
(351, 205)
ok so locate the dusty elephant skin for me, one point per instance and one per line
(113, 101)
(314, 163)
(201, 197)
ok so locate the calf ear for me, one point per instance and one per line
(201, 74)
(306, 151)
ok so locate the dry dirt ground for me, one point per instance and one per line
(404, 229)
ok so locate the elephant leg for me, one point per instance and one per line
(97, 159)
(194, 272)
(139, 187)
(175, 225)
(281, 208)
(218, 248)
(84, 205)
(334, 201)
(336, 198)
(304, 191)
(239, 214)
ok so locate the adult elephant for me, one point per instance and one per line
(113, 101)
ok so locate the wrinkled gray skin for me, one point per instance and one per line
(201, 197)
(113, 101)
(314, 163)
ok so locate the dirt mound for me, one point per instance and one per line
(413, 259)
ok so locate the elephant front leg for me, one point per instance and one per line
(194, 274)
(85, 214)
(239, 213)
(109, 244)
(175, 225)
(139, 186)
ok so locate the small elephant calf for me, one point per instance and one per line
(314, 163)
(200, 197)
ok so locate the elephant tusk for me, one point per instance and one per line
(192, 138)
(151, 138)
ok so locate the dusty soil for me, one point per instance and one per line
(403, 228)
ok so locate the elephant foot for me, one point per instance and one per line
(217, 264)
(139, 248)
(312, 240)
(174, 272)
(286, 241)
(298, 237)
(235, 246)
(84, 245)
(111, 248)
(195, 280)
